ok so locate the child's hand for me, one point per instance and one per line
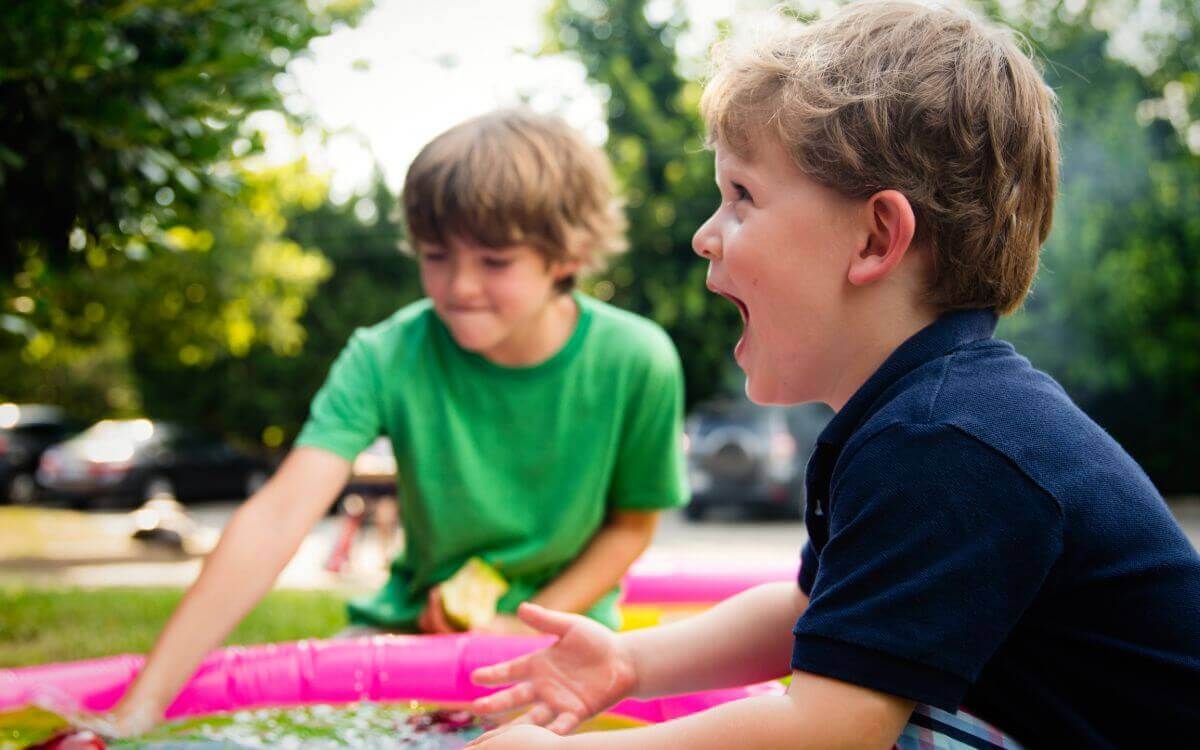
(122, 722)
(507, 625)
(518, 737)
(582, 674)
(433, 618)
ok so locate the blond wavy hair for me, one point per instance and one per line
(930, 101)
(516, 177)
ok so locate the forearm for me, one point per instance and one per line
(744, 639)
(762, 723)
(255, 546)
(602, 565)
(817, 713)
(234, 577)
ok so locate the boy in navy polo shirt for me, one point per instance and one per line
(976, 542)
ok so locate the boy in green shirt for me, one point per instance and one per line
(533, 427)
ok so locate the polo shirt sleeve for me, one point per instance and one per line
(345, 415)
(649, 473)
(937, 546)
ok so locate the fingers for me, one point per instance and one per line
(515, 697)
(539, 714)
(437, 613)
(564, 723)
(504, 673)
(545, 620)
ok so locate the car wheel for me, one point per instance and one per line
(22, 490)
(157, 485)
(693, 512)
(255, 480)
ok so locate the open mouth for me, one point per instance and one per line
(741, 306)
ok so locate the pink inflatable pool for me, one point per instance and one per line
(652, 581)
(378, 668)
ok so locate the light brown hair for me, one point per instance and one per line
(514, 177)
(930, 101)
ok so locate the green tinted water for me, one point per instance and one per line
(371, 726)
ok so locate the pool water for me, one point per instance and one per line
(371, 726)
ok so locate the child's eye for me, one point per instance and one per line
(497, 262)
(742, 193)
(433, 257)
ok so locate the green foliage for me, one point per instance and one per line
(148, 269)
(1115, 313)
(370, 280)
(170, 334)
(38, 626)
(656, 143)
(113, 113)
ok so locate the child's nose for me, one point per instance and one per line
(464, 284)
(706, 242)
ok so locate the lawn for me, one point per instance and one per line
(40, 625)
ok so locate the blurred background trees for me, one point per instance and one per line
(153, 265)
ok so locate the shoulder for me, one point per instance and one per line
(624, 337)
(404, 331)
(986, 397)
(991, 395)
(962, 418)
(934, 474)
(412, 318)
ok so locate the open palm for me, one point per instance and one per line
(579, 676)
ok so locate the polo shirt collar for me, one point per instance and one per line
(950, 331)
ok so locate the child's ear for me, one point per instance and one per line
(564, 269)
(890, 230)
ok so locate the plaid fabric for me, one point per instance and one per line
(933, 729)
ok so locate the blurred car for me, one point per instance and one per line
(750, 457)
(26, 431)
(119, 462)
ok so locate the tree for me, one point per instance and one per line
(117, 335)
(1115, 313)
(656, 142)
(147, 269)
(114, 116)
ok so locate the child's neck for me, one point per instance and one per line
(876, 334)
(541, 339)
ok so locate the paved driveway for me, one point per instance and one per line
(712, 542)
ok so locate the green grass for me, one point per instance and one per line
(39, 625)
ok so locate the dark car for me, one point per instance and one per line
(750, 457)
(26, 431)
(123, 462)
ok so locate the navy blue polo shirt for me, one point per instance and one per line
(977, 541)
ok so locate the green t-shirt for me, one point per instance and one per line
(518, 466)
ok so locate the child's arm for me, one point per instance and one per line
(744, 639)
(816, 713)
(625, 535)
(259, 540)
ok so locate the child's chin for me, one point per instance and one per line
(767, 393)
(474, 341)
(756, 392)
